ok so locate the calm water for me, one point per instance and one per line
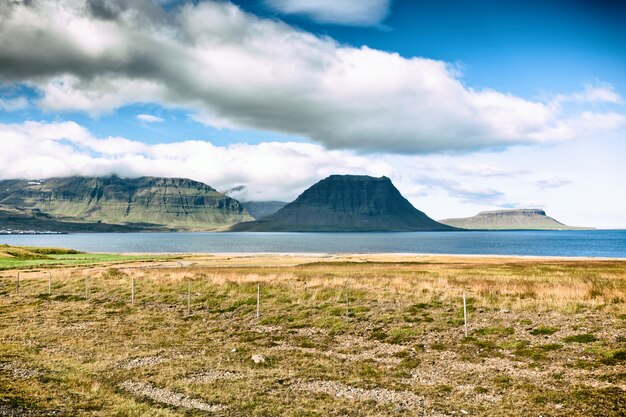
(595, 243)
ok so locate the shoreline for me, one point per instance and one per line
(367, 254)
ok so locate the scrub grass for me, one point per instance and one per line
(546, 337)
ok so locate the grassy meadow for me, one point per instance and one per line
(545, 337)
(24, 257)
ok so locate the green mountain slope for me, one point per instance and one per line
(520, 219)
(148, 203)
(346, 203)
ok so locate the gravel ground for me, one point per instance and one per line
(19, 372)
(167, 397)
(401, 399)
(213, 375)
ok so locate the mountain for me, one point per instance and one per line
(145, 203)
(260, 209)
(346, 203)
(520, 219)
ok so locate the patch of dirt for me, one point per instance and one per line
(309, 331)
(213, 375)
(401, 399)
(266, 329)
(167, 397)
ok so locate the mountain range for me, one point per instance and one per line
(118, 204)
(338, 203)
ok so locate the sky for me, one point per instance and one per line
(466, 105)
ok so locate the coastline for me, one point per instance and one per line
(367, 256)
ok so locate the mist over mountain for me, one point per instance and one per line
(347, 203)
(260, 209)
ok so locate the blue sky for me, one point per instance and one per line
(523, 47)
(466, 105)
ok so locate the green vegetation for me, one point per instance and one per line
(581, 338)
(22, 257)
(542, 331)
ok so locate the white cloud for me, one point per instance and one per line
(270, 170)
(233, 69)
(443, 186)
(593, 94)
(149, 118)
(488, 170)
(346, 12)
(553, 182)
(96, 95)
(13, 104)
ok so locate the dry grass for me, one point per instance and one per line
(545, 337)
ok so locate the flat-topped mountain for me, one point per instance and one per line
(519, 219)
(346, 203)
(148, 203)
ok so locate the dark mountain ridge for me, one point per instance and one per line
(346, 203)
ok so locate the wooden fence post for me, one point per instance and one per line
(258, 301)
(465, 314)
(347, 304)
(188, 297)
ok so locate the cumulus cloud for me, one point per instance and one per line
(269, 170)
(13, 104)
(345, 12)
(149, 118)
(234, 69)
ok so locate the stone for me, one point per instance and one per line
(258, 359)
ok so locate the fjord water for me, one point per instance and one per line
(586, 243)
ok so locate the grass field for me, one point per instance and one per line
(545, 337)
(22, 257)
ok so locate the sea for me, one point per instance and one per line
(570, 243)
